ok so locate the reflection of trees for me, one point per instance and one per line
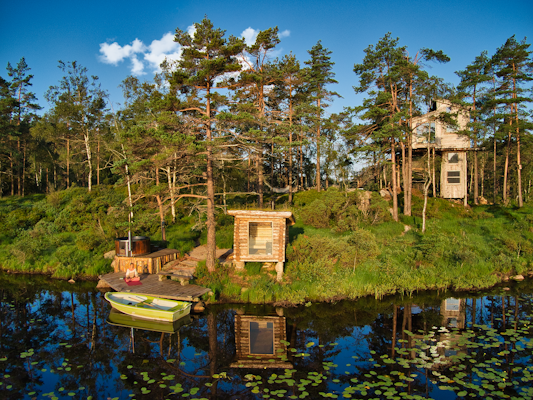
(66, 327)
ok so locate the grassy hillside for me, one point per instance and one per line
(344, 245)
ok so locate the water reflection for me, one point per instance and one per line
(260, 341)
(58, 340)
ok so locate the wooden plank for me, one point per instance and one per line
(151, 285)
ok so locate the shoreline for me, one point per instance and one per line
(224, 299)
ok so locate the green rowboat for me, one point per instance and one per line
(117, 318)
(148, 307)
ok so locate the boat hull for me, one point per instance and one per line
(118, 318)
(148, 307)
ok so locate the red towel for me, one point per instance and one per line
(134, 283)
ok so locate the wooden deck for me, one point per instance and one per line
(151, 285)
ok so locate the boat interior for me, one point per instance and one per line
(145, 302)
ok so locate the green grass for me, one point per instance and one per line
(354, 254)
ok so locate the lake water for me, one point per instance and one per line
(60, 341)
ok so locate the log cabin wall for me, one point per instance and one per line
(260, 235)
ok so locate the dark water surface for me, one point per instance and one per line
(62, 341)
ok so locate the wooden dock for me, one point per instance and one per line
(151, 285)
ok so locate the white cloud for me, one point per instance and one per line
(114, 53)
(153, 55)
(249, 35)
(137, 67)
(285, 33)
(161, 49)
(191, 30)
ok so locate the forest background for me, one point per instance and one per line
(228, 126)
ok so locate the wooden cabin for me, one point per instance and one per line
(430, 132)
(261, 236)
(260, 342)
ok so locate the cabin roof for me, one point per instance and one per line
(263, 214)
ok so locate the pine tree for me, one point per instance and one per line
(207, 56)
(252, 91)
(80, 103)
(473, 79)
(380, 75)
(318, 75)
(514, 67)
(23, 115)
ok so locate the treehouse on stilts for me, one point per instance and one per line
(261, 236)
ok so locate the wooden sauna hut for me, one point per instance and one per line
(261, 236)
(147, 260)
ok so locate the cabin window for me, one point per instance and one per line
(454, 176)
(425, 130)
(260, 238)
(261, 337)
(453, 158)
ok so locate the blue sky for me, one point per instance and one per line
(45, 32)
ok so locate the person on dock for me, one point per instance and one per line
(131, 274)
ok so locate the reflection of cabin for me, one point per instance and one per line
(261, 236)
(453, 313)
(258, 342)
(445, 140)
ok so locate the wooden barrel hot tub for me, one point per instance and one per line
(140, 245)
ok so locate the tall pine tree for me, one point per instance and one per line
(207, 57)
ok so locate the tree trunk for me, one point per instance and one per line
(476, 179)
(518, 164)
(394, 184)
(86, 139)
(260, 178)
(23, 167)
(433, 177)
(68, 162)
(494, 171)
(318, 183)
(19, 184)
(172, 195)
(98, 162)
(12, 173)
(300, 149)
(211, 237)
(505, 170)
(161, 217)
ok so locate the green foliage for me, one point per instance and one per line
(341, 211)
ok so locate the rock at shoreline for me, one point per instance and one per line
(102, 284)
(110, 255)
(71, 281)
(518, 277)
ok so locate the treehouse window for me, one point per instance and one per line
(260, 238)
(454, 176)
(453, 158)
(261, 337)
(424, 131)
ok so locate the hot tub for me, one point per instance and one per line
(140, 245)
